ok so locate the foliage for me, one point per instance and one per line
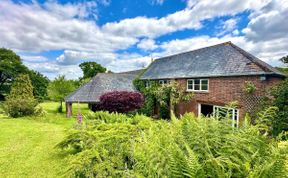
(90, 69)
(190, 147)
(283, 69)
(284, 59)
(121, 101)
(171, 94)
(40, 85)
(280, 94)
(164, 96)
(39, 111)
(20, 101)
(59, 88)
(148, 92)
(249, 88)
(10, 67)
(266, 119)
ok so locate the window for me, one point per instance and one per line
(197, 85)
(224, 112)
(147, 84)
(163, 82)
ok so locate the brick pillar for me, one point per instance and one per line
(68, 109)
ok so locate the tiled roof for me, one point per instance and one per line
(100, 84)
(225, 59)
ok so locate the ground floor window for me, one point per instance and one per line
(220, 112)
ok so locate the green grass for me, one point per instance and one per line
(27, 145)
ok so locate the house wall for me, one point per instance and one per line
(224, 90)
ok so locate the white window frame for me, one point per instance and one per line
(234, 111)
(193, 84)
(147, 84)
(163, 82)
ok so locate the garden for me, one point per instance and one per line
(125, 140)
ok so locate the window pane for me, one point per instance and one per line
(197, 81)
(204, 82)
(204, 87)
(190, 82)
(196, 86)
(190, 87)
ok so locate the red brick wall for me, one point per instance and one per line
(224, 90)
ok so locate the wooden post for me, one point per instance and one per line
(68, 109)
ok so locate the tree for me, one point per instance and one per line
(20, 101)
(171, 94)
(90, 69)
(164, 96)
(40, 84)
(280, 94)
(121, 101)
(10, 67)
(59, 88)
(284, 59)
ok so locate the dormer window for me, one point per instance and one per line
(163, 82)
(198, 85)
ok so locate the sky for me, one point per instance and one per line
(55, 36)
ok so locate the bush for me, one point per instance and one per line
(39, 111)
(20, 101)
(121, 101)
(189, 147)
(19, 107)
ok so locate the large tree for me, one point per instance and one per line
(90, 69)
(10, 67)
(40, 84)
(59, 88)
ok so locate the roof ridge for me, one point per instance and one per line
(263, 65)
(193, 50)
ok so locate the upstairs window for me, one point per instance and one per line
(163, 82)
(197, 85)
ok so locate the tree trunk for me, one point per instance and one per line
(171, 107)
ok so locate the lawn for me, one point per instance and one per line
(27, 145)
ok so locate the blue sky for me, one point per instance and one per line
(53, 37)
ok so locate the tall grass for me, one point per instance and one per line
(190, 147)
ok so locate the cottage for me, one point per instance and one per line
(217, 76)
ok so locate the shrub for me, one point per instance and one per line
(189, 147)
(20, 101)
(39, 111)
(19, 107)
(249, 88)
(121, 101)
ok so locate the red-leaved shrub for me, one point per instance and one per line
(121, 101)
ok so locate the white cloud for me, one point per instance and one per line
(157, 2)
(80, 10)
(33, 58)
(147, 44)
(35, 28)
(189, 18)
(269, 23)
(70, 57)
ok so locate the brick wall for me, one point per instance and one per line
(225, 90)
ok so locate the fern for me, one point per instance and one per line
(116, 145)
